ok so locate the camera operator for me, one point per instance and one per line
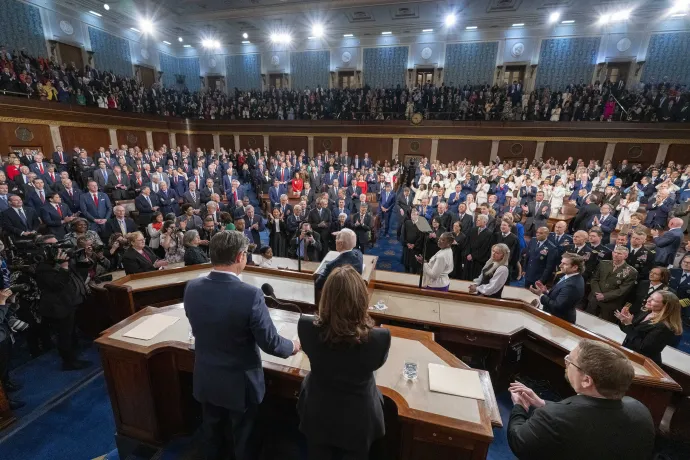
(62, 291)
(6, 348)
(117, 244)
(306, 245)
(90, 261)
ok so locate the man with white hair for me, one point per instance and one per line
(667, 245)
(345, 242)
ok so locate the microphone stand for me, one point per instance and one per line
(285, 304)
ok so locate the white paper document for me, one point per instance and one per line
(454, 381)
(151, 327)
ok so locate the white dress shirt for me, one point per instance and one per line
(436, 271)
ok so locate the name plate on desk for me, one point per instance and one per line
(455, 381)
(151, 327)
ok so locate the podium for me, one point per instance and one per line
(367, 272)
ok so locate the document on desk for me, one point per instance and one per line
(151, 327)
(454, 381)
(288, 331)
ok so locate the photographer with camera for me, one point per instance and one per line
(306, 245)
(90, 261)
(62, 291)
(117, 245)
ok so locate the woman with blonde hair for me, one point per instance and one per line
(495, 273)
(657, 325)
(344, 349)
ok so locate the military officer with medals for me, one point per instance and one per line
(560, 238)
(540, 259)
(680, 284)
(598, 251)
(610, 285)
(640, 258)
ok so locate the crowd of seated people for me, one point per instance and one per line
(42, 79)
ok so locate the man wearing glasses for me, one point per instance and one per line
(599, 422)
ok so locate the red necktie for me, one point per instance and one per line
(235, 194)
(70, 193)
(62, 159)
(282, 174)
(139, 181)
(59, 210)
(118, 179)
(52, 177)
(95, 199)
(40, 167)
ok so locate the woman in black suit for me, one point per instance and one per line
(340, 407)
(139, 258)
(657, 325)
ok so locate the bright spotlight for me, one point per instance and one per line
(146, 26)
(317, 30)
(245, 35)
(604, 19)
(281, 38)
(274, 38)
(621, 15)
(106, 7)
(450, 20)
(180, 39)
(555, 16)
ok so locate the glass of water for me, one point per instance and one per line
(380, 305)
(410, 370)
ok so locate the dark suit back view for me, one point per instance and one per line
(340, 407)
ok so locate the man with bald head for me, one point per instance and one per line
(345, 242)
(667, 244)
(559, 237)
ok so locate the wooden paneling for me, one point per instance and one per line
(379, 149)
(459, 149)
(87, 138)
(41, 138)
(412, 146)
(131, 138)
(517, 150)
(578, 150)
(679, 153)
(285, 143)
(194, 141)
(635, 153)
(227, 142)
(159, 139)
(252, 142)
(330, 143)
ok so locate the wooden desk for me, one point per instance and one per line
(148, 387)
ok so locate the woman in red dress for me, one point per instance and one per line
(297, 184)
(361, 183)
(12, 169)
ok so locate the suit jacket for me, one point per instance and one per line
(342, 382)
(74, 201)
(195, 202)
(91, 212)
(33, 200)
(535, 217)
(53, 220)
(227, 367)
(615, 285)
(133, 262)
(560, 301)
(513, 244)
(113, 226)
(584, 215)
(118, 193)
(387, 201)
(642, 261)
(582, 427)
(540, 262)
(466, 222)
(145, 209)
(179, 185)
(667, 245)
(256, 234)
(657, 214)
(168, 202)
(314, 219)
(100, 180)
(646, 338)
(446, 220)
(13, 224)
(606, 227)
(362, 230)
(353, 258)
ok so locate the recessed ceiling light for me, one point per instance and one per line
(246, 42)
(450, 20)
(427, 30)
(180, 39)
(167, 42)
(310, 37)
(569, 21)
(95, 14)
(471, 27)
(245, 35)
(317, 30)
(679, 15)
(146, 25)
(106, 7)
(187, 46)
(135, 29)
(555, 16)
(348, 35)
(519, 24)
(386, 33)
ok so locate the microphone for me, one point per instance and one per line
(268, 291)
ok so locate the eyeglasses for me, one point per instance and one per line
(569, 361)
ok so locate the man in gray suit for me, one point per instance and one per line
(192, 196)
(598, 422)
(537, 212)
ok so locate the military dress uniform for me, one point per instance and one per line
(540, 261)
(642, 260)
(615, 284)
(680, 284)
(597, 254)
(562, 242)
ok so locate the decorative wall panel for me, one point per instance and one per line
(473, 62)
(169, 67)
(111, 53)
(21, 27)
(189, 68)
(385, 67)
(310, 69)
(563, 61)
(668, 59)
(243, 71)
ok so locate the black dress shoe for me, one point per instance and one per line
(75, 365)
(11, 386)
(14, 405)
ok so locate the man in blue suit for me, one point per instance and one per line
(540, 258)
(680, 284)
(71, 196)
(61, 159)
(56, 215)
(178, 183)
(561, 300)
(168, 200)
(228, 375)
(95, 207)
(387, 203)
(658, 211)
(667, 244)
(345, 242)
(606, 221)
(274, 193)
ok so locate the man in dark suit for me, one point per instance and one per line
(228, 376)
(71, 196)
(537, 212)
(605, 221)
(18, 220)
(61, 159)
(444, 217)
(320, 220)
(95, 207)
(345, 242)
(353, 192)
(275, 192)
(680, 284)
(146, 203)
(308, 191)
(118, 185)
(478, 249)
(586, 212)
(306, 246)
(386, 207)
(56, 216)
(598, 422)
(658, 211)
(209, 190)
(4, 197)
(119, 223)
(540, 259)
(102, 175)
(362, 222)
(255, 224)
(168, 200)
(39, 167)
(192, 196)
(568, 291)
(465, 218)
(667, 244)
(37, 197)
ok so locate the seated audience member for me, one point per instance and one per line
(437, 270)
(657, 280)
(598, 422)
(611, 284)
(344, 349)
(191, 219)
(345, 241)
(306, 244)
(495, 273)
(657, 325)
(193, 254)
(267, 260)
(139, 258)
(568, 291)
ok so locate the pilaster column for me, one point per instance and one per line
(216, 142)
(539, 152)
(149, 139)
(608, 155)
(173, 140)
(267, 144)
(494, 151)
(661, 154)
(237, 142)
(396, 146)
(434, 150)
(344, 144)
(113, 137)
(310, 146)
(57, 138)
